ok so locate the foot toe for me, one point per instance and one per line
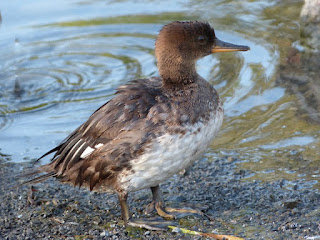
(154, 224)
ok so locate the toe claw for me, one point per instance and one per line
(150, 208)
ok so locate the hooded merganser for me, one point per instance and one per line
(153, 128)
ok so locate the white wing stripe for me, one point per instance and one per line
(89, 150)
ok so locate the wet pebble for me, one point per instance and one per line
(233, 207)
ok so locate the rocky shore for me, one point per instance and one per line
(231, 205)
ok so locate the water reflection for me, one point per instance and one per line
(70, 60)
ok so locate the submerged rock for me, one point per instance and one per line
(300, 75)
(310, 24)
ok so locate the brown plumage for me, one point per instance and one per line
(124, 144)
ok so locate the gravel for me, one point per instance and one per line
(232, 205)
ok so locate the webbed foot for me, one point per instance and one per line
(165, 212)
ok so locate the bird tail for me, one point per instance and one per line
(31, 172)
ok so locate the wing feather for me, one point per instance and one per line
(111, 131)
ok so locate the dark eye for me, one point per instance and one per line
(201, 39)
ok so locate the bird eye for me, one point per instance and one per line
(201, 39)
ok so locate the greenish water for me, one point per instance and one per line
(61, 60)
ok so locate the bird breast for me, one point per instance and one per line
(171, 153)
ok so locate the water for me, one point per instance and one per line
(61, 60)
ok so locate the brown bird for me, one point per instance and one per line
(152, 128)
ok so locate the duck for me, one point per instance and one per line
(152, 128)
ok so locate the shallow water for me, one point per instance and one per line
(61, 60)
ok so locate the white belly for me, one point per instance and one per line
(169, 154)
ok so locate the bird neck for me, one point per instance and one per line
(177, 72)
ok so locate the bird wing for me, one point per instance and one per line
(115, 133)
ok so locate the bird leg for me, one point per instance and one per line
(163, 211)
(150, 224)
(125, 212)
(158, 204)
(31, 196)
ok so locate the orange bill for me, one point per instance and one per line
(222, 46)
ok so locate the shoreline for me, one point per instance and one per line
(233, 206)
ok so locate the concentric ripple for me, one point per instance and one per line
(83, 66)
(65, 59)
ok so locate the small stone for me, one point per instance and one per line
(104, 233)
(176, 230)
(290, 204)
(94, 232)
(230, 159)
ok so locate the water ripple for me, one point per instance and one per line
(72, 58)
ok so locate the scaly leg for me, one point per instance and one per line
(159, 205)
(125, 213)
(150, 224)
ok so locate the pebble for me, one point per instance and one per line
(234, 207)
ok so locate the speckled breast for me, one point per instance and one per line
(171, 153)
